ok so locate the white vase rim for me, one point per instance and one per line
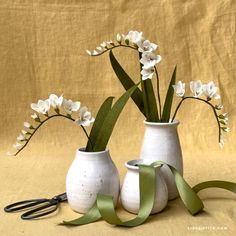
(131, 165)
(82, 150)
(174, 123)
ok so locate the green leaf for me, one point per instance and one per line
(100, 117)
(169, 99)
(110, 120)
(127, 82)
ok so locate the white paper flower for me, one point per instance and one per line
(196, 88)
(146, 46)
(219, 107)
(149, 59)
(55, 101)
(134, 36)
(147, 73)
(100, 49)
(110, 42)
(85, 117)
(41, 107)
(89, 52)
(18, 146)
(21, 137)
(179, 89)
(70, 106)
(222, 142)
(104, 44)
(24, 132)
(224, 116)
(210, 91)
(27, 125)
(34, 116)
(225, 129)
(118, 38)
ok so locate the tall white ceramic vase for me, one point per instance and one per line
(161, 142)
(89, 174)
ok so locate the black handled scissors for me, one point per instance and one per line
(43, 207)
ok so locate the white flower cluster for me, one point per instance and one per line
(198, 89)
(146, 48)
(42, 107)
(210, 92)
(135, 40)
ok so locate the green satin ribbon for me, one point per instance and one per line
(104, 206)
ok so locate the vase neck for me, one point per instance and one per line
(166, 127)
(81, 154)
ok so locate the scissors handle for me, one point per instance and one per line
(46, 206)
(24, 204)
(35, 213)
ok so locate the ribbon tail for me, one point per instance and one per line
(90, 217)
(215, 184)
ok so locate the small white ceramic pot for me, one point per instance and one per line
(130, 191)
(161, 143)
(91, 173)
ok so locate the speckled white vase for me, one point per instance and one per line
(129, 195)
(161, 142)
(91, 173)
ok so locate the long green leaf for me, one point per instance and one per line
(169, 99)
(127, 82)
(100, 117)
(110, 120)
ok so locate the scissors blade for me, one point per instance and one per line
(61, 197)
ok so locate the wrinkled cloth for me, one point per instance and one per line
(42, 51)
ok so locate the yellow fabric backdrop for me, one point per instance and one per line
(42, 51)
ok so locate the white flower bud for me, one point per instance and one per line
(226, 129)
(34, 116)
(89, 52)
(21, 137)
(118, 38)
(94, 53)
(100, 49)
(110, 43)
(103, 44)
(222, 142)
(27, 125)
(18, 146)
(219, 107)
(24, 132)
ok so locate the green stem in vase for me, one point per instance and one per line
(158, 91)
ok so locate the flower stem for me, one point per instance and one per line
(87, 137)
(158, 91)
(116, 46)
(41, 123)
(207, 102)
